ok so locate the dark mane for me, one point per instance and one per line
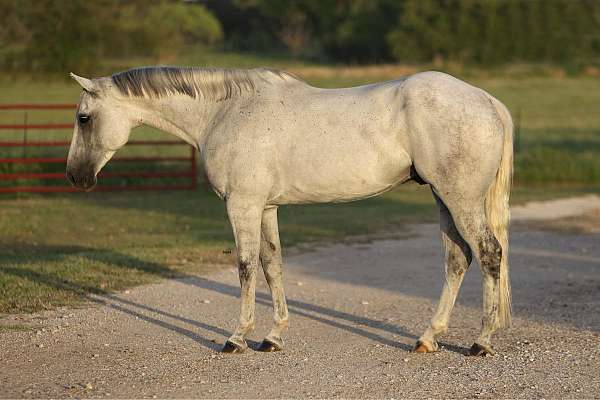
(209, 83)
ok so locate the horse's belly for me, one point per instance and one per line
(341, 177)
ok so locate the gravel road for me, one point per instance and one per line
(356, 310)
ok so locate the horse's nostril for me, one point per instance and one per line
(71, 177)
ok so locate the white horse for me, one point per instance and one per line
(268, 139)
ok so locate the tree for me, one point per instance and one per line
(56, 36)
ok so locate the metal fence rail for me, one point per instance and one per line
(188, 172)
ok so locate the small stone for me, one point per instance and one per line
(206, 301)
(41, 346)
(405, 360)
(364, 303)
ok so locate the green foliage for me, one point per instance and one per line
(493, 32)
(56, 36)
(483, 32)
(164, 29)
(48, 35)
(326, 29)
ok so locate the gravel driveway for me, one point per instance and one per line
(356, 310)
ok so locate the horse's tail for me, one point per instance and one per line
(497, 211)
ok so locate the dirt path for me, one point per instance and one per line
(356, 310)
(556, 209)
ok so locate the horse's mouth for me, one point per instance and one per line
(85, 182)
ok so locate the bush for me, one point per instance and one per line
(490, 32)
(57, 36)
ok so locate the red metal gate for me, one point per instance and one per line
(189, 171)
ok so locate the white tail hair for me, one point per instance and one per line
(498, 213)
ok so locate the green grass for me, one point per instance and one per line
(56, 249)
(559, 137)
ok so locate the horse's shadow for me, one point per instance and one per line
(358, 325)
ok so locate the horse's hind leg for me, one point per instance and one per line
(270, 256)
(245, 218)
(457, 260)
(470, 219)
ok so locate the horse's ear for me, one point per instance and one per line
(87, 84)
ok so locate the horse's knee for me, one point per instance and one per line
(246, 268)
(490, 255)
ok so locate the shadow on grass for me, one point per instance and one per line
(337, 319)
(206, 216)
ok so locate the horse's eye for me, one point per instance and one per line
(83, 119)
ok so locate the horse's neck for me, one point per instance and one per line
(181, 116)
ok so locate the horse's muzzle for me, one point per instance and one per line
(82, 178)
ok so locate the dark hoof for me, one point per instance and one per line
(423, 347)
(478, 350)
(232, 348)
(268, 347)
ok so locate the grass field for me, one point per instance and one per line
(558, 117)
(55, 249)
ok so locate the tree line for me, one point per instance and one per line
(465, 31)
(48, 35)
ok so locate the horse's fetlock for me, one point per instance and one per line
(247, 326)
(439, 328)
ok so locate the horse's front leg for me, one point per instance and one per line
(270, 256)
(245, 218)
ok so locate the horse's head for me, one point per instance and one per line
(102, 126)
